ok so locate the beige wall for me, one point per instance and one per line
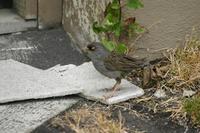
(176, 17)
(49, 13)
(173, 19)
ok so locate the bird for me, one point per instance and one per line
(111, 64)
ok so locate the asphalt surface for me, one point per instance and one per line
(145, 122)
(41, 49)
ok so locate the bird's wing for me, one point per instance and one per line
(122, 62)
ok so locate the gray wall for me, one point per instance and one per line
(170, 21)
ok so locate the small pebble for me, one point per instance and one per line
(160, 94)
(188, 93)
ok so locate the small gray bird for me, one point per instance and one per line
(111, 64)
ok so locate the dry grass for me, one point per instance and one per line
(181, 67)
(181, 71)
(184, 69)
(85, 120)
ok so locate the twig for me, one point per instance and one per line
(192, 79)
(144, 99)
(157, 50)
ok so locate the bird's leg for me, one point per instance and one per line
(114, 88)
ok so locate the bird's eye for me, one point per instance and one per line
(91, 47)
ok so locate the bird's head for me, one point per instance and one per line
(96, 50)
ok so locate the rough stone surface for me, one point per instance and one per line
(20, 82)
(78, 17)
(11, 22)
(26, 8)
(23, 117)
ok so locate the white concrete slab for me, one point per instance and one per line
(93, 85)
(125, 92)
(11, 22)
(20, 82)
(26, 116)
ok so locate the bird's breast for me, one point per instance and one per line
(100, 67)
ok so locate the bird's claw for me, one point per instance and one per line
(108, 95)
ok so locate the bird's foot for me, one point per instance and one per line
(107, 96)
(107, 89)
(112, 93)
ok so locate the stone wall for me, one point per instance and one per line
(78, 17)
(168, 22)
(26, 8)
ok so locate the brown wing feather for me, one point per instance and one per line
(122, 62)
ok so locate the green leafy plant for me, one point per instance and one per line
(114, 28)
